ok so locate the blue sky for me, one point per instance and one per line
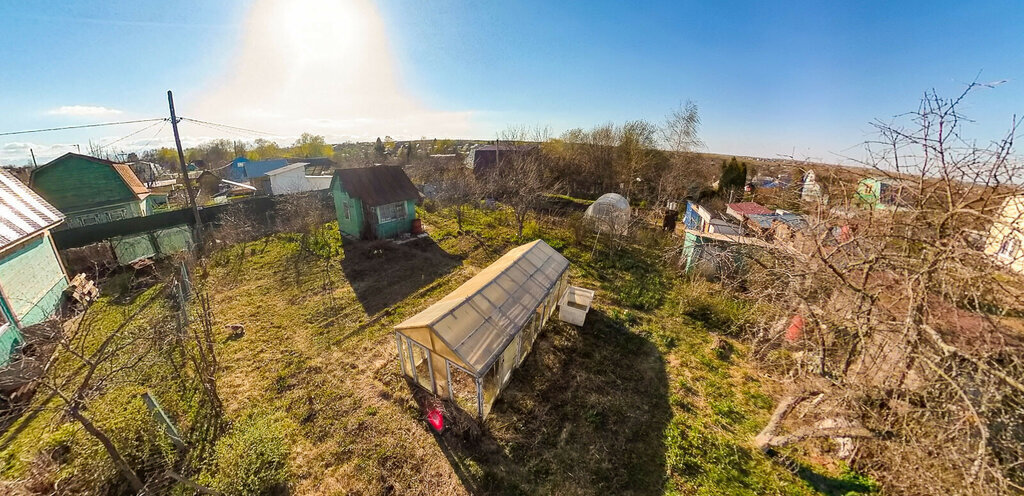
(770, 78)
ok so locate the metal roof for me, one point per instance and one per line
(378, 185)
(238, 185)
(131, 180)
(22, 212)
(480, 318)
(291, 166)
(748, 208)
(258, 168)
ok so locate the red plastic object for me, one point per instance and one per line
(795, 329)
(436, 420)
(417, 226)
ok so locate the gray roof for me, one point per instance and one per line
(480, 318)
(23, 213)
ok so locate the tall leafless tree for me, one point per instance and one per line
(520, 179)
(906, 340)
(453, 186)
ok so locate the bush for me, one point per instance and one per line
(124, 418)
(325, 241)
(251, 459)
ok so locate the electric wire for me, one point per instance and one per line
(132, 134)
(223, 130)
(158, 131)
(197, 121)
(10, 133)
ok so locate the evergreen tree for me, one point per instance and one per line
(734, 175)
(378, 148)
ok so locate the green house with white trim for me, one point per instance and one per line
(32, 276)
(374, 202)
(875, 193)
(90, 190)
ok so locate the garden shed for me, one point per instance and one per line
(465, 346)
(374, 202)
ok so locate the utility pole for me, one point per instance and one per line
(184, 175)
(34, 164)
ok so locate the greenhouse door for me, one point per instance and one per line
(462, 388)
(422, 368)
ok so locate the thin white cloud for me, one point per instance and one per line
(17, 153)
(80, 110)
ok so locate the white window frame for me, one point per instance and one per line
(1009, 246)
(391, 212)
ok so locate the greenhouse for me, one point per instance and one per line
(609, 213)
(465, 346)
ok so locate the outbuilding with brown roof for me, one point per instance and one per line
(374, 202)
(90, 190)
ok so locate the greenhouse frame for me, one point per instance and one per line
(465, 346)
(610, 213)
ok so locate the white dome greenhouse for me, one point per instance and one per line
(610, 213)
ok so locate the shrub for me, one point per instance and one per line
(325, 241)
(251, 459)
(124, 418)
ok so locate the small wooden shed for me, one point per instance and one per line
(374, 202)
(466, 345)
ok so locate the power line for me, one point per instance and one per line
(197, 121)
(133, 134)
(81, 126)
(223, 130)
(151, 138)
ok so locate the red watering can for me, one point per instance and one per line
(436, 419)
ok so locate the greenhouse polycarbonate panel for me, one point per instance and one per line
(482, 316)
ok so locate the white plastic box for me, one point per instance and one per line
(574, 305)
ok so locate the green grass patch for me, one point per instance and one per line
(639, 401)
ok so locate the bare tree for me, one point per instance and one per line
(519, 179)
(686, 173)
(236, 227)
(89, 358)
(303, 214)
(681, 131)
(453, 185)
(900, 336)
(128, 348)
(640, 163)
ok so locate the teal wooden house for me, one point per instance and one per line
(881, 194)
(90, 190)
(374, 202)
(32, 277)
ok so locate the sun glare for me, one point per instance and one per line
(325, 66)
